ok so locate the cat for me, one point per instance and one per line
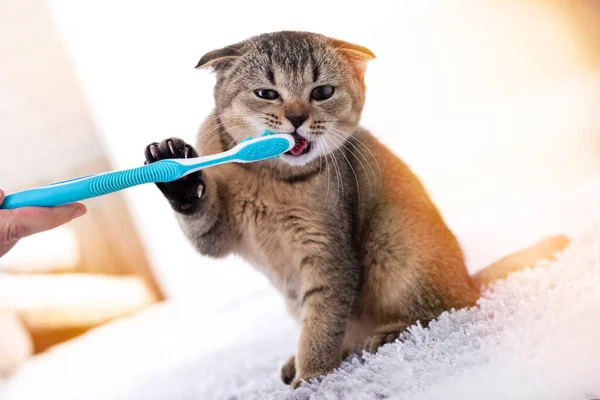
(339, 224)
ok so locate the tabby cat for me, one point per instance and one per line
(339, 224)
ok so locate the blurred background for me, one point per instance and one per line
(485, 100)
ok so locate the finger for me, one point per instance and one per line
(1, 196)
(26, 221)
(5, 248)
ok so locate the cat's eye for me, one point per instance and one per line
(322, 92)
(267, 94)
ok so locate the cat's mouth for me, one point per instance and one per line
(301, 147)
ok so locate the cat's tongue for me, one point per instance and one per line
(301, 144)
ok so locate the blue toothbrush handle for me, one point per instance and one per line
(261, 148)
(92, 186)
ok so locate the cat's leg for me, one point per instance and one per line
(327, 298)
(196, 199)
(288, 370)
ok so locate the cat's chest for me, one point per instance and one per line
(272, 223)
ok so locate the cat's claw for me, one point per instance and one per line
(154, 151)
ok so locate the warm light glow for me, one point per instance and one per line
(483, 99)
(72, 300)
(55, 250)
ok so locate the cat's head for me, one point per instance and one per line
(301, 83)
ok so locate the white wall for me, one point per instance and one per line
(43, 121)
(483, 99)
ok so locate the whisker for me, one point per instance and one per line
(219, 133)
(235, 139)
(339, 173)
(351, 168)
(320, 164)
(270, 119)
(367, 148)
(340, 187)
(357, 158)
(345, 145)
(223, 121)
(328, 172)
(220, 118)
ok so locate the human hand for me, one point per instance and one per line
(22, 222)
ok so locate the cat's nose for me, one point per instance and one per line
(296, 119)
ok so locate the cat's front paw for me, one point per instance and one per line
(184, 194)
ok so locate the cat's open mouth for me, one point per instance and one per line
(302, 146)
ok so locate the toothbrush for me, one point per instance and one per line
(264, 147)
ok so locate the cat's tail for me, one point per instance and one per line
(544, 249)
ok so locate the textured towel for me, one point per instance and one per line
(533, 336)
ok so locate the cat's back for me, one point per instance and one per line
(408, 250)
(387, 183)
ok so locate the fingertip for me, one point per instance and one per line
(79, 210)
(1, 196)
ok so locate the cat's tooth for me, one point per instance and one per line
(186, 152)
(171, 147)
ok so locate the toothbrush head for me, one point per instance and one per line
(267, 146)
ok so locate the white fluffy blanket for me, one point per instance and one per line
(532, 336)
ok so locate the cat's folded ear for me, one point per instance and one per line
(356, 54)
(220, 59)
